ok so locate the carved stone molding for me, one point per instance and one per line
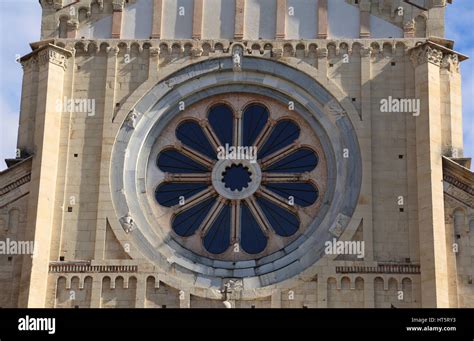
(380, 269)
(450, 62)
(86, 267)
(118, 5)
(426, 54)
(49, 54)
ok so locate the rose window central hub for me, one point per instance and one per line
(236, 177)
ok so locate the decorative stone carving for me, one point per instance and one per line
(118, 5)
(322, 52)
(335, 109)
(338, 227)
(127, 223)
(237, 55)
(197, 52)
(426, 54)
(232, 288)
(409, 29)
(154, 52)
(131, 119)
(277, 53)
(365, 51)
(450, 62)
(51, 56)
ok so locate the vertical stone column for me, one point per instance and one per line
(366, 145)
(106, 152)
(117, 19)
(140, 292)
(157, 14)
(364, 7)
(369, 292)
(239, 19)
(96, 294)
(72, 26)
(431, 225)
(452, 114)
(281, 19)
(322, 291)
(276, 298)
(27, 107)
(197, 19)
(184, 299)
(52, 63)
(322, 54)
(322, 19)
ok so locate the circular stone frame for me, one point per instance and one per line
(255, 179)
(131, 150)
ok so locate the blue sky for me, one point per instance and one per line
(20, 24)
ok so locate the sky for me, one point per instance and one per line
(20, 22)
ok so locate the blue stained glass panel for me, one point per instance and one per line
(221, 120)
(168, 194)
(254, 119)
(217, 239)
(283, 222)
(304, 193)
(173, 161)
(282, 135)
(187, 222)
(191, 134)
(302, 160)
(252, 239)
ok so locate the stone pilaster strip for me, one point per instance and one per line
(157, 14)
(281, 19)
(117, 18)
(364, 7)
(197, 19)
(239, 19)
(322, 19)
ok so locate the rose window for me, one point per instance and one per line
(240, 179)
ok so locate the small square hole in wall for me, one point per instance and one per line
(353, 99)
(117, 105)
(331, 64)
(393, 63)
(61, 259)
(76, 155)
(356, 2)
(10, 258)
(400, 156)
(469, 280)
(69, 209)
(458, 236)
(163, 306)
(402, 209)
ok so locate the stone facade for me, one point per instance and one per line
(82, 187)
